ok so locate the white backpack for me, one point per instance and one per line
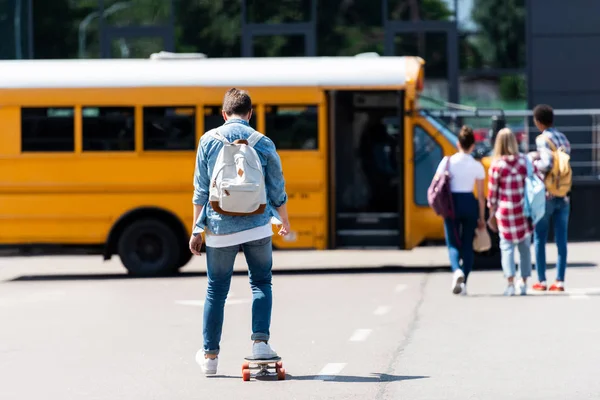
(237, 185)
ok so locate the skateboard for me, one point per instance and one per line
(263, 366)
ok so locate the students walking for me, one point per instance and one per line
(506, 196)
(553, 150)
(469, 212)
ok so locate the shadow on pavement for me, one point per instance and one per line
(357, 379)
(542, 294)
(290, 271)
(287, 271)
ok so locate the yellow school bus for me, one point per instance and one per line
(100, 153)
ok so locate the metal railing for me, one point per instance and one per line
(582, 128)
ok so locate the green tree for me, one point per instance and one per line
(502, 27)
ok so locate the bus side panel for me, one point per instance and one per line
(79, 218)
(421, 221)
(10, 128)
(76, 199)
(306, 187)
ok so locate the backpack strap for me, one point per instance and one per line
(217, 135)
(529, 167)
(254, 138)
(550, 142)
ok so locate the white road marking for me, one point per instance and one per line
(382, 310)
(329, 371)
(360, 335)
(200, 303)
(400, 287)
(579, 296)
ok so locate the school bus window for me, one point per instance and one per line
(428, 155)
(47, 129)
(214, 119)
(108, 128)
(169, 128)
(293, 127)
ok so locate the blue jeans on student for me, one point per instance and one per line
(557, 210)
(460, 232)
(507, 250)
(259, 256)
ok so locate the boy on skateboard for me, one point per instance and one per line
(227, 231)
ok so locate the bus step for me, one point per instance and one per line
(364, 221)
(368, 238)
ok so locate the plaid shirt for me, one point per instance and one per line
(544, 164)
(506, 193)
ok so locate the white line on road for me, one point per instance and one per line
(400, 287)
(200, 303)
(579, 296)
(329, 371)
(382, 310)
(360, 335)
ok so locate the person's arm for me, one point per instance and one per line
(481, 198)
(492, 198)
(197, 211)
(200, 198)
(441, 167)
(544, 163)
(275, 184)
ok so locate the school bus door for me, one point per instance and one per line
(426, 142)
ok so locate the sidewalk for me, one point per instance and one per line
(585, 254)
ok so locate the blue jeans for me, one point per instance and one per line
(259, 256)
(557, 209)
(508, 257)
(462, 228)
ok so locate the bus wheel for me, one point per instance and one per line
(149, 247)
(184, 257)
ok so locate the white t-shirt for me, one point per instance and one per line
(234, 239)
(464, 171)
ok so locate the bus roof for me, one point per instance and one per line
(217, 72)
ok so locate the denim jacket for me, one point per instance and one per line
(208, 151)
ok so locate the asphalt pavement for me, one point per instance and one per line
(348, 325)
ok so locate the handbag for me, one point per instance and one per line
(439, 195)
(482, 241)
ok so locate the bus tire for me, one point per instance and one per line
(184, 258)
(149, 247)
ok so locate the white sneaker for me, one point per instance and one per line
(457, 280)
(262, 350)
(463, 289)
(208, 365)
(522, 287)
(510, 290)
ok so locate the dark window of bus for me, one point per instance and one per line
(293, 127)
(214, 119)
(169, 128)
(428, 155)
(48, 129)
(108, 128)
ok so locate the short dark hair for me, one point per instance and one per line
(544, 114)
(237, 102)
(466, 137)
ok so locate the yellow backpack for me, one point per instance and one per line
(559, 179)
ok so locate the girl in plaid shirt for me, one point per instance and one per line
(506, 194)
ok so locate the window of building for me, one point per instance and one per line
(47, 129)
(427, 156)
(170, 128)
(108, 128)
(214, 119)
(293, 127)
